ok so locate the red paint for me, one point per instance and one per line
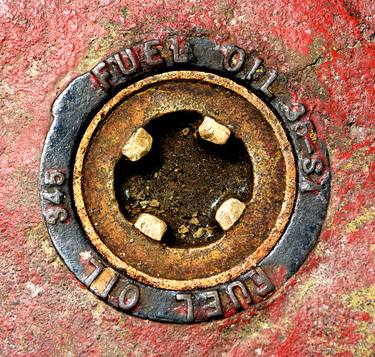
(42, 46)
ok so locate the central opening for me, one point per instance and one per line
(184, 179)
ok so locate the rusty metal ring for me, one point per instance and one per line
(155, 254)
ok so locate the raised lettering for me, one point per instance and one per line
(214, 304)
(92, 276)
(126, 61)
(129, 297)
(55, 214)
(189, 306)
(103, 284)
(295, 111)
(310, 166)
(54, 195)
(232, 295)
(307, 186)
(268, 82)
(151, 53)
(249, 76)
(234, 57)
(308, 146)
(101, 73)
(301, 128)
(263, 284)
(54, 177)
(180, 54)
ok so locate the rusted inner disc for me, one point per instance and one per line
(241, 247)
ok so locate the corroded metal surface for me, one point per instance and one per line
(325, 54)
(238, 250)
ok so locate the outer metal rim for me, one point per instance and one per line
(72, 113)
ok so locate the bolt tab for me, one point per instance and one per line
(229, 213)
(138, 146)
(214, 132)
(151, 226)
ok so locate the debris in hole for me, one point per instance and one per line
(183, 229)
(140, 196)
(154, 203)
(199, 232)
(180, 174)
(144, 204)
(209, 231)
(194, 221)
(186, 131)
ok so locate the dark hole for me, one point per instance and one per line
(183, 179)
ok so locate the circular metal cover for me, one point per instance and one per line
(284, 182)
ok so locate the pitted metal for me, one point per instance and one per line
(81, 101)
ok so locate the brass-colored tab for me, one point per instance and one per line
(104, 282)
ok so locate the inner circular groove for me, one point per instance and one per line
(183, 179)
(266, 214)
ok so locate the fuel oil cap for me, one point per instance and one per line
(176, 186)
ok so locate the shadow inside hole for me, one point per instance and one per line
(183, 179)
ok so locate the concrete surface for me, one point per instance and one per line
(325, 50)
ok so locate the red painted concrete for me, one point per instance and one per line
(326, 51)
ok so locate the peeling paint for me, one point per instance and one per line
(363, 302)
(359, 221)
(325, 51)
